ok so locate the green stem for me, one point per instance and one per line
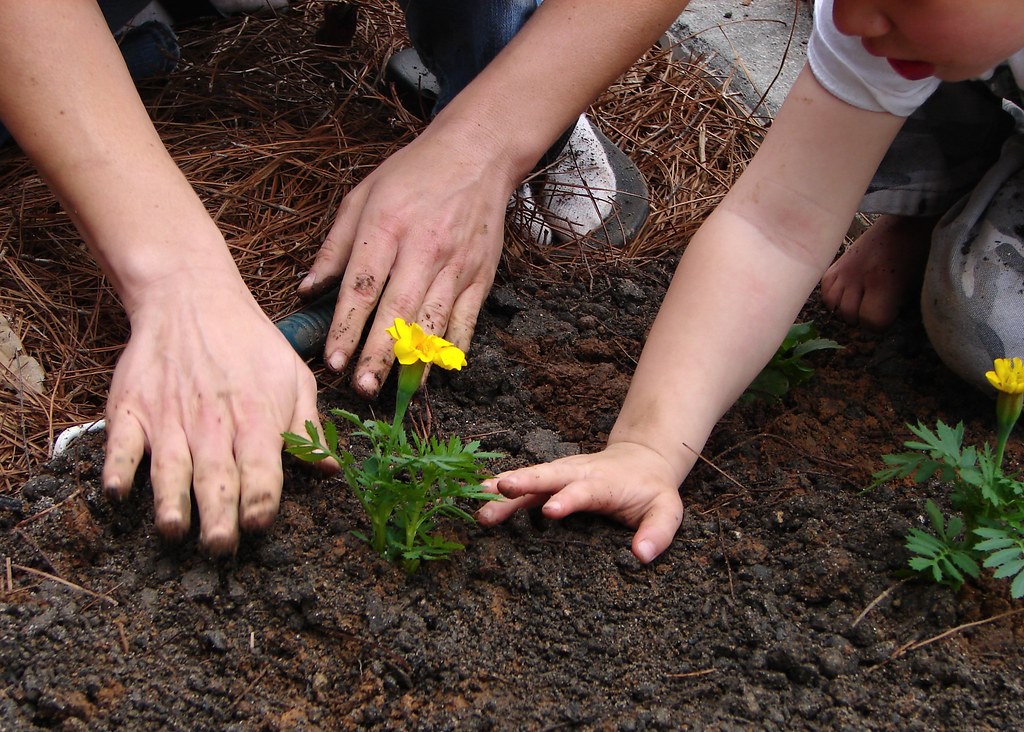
(409, 378)
(412, 528)
(380, 535)
(1008, 409)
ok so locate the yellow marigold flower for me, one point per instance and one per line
(450, 357)
(412, 344)
(1008, 376)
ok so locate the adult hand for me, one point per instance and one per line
(629, 482)
(207, 384)
(420, 239)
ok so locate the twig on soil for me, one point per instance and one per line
(399, 664)
(249, 687)
(72, 585)
(692, 674)
(36, 516)
(778, 438)
(725, 556)
(716, 468)
(957, 629)
(10, 577)
(914, 645)
(874, 602)
(92, 602)
(42, 555)
(125, 647)
(782, 64)
(424, 423)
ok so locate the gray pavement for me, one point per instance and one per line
(755, 41)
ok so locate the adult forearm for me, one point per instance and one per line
(84, 126)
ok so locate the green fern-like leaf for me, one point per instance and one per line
(310, 448)
(1005, 549)
(787, 367)
(940, 554)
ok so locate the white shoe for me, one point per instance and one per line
(578, 189)
(526, 218)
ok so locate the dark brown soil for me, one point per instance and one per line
(778, 605)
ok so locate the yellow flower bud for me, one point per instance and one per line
(1008, 376)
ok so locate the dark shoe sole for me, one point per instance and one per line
(631, 205)
(415, 86)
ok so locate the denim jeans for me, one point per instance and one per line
(456, 39)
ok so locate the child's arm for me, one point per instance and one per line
(740, 284)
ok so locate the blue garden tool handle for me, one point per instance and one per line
(306, 329)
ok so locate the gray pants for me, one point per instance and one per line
(961, 156)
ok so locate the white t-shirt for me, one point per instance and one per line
(843, 66)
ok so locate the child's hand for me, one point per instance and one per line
(627, 481)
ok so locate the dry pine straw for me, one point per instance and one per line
(273, 129)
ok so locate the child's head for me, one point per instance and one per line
(952, 40)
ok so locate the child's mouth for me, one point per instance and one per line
(912, 70)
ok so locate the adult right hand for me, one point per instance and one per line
(418, 239)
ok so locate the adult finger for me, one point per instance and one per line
(260, 474)
(306, 411)
(410, 280)
(399, 300)
(333, 255)
(463, 320)
(125, 446)
(361, 287)
(216, 480)
(170, 473)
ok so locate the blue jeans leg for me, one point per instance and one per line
(456, 39)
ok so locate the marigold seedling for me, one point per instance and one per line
(405, 485)
(989, 530)
(789, 367)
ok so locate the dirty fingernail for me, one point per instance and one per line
(308, 282)
(336, 361)
(367, 384)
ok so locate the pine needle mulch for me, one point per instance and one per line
(273, 128)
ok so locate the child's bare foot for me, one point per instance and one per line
(876, 276)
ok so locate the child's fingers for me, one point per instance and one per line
(547, 478)
(583, 495)
(495, 512)
(657, 529)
